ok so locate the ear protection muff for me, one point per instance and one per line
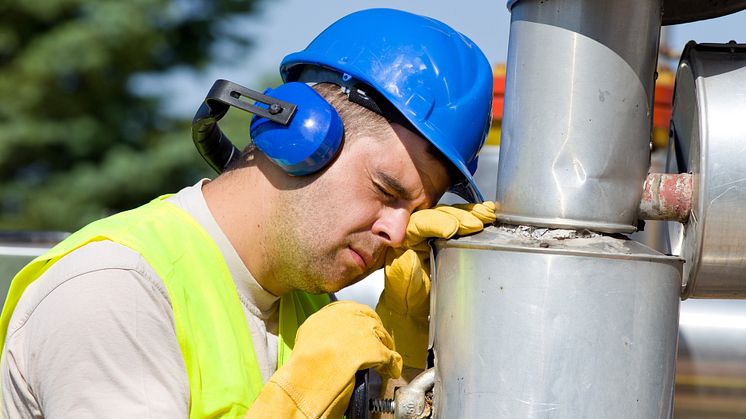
(293, 125)
(309, 141)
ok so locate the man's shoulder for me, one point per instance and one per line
(102, 269)
(94, 256)
(98, 321)
(99, 256)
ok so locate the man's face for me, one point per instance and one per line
(334, 231)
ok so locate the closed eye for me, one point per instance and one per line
(387, 195)
(391, 186)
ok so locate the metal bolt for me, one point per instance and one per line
(382, 406)
(274, 109)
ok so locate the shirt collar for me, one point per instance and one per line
(192, 200)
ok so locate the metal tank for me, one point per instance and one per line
(708, 137)
(537, 323)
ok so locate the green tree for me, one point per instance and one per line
(76, 142)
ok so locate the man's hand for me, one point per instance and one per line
(404, 305)
(330, 347)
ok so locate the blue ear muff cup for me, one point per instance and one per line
(311, 139)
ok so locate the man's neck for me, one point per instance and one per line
(238, 204)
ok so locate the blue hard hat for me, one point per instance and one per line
(434, 76)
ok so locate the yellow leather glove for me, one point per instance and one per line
(330, 347)
(404, 305)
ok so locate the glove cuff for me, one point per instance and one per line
(288, 395)
(410, 335)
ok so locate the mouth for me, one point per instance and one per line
(363, 260)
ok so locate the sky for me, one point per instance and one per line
(285, 26)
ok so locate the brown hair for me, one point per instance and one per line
(357, 120)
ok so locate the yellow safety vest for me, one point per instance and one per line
(224, 377)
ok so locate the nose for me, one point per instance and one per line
(391, 226)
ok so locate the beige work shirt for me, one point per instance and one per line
(94, 336)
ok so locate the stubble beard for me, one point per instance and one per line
(309, 268)
(305, 258)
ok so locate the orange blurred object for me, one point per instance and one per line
(664, 85)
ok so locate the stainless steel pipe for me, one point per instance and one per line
(577, 119)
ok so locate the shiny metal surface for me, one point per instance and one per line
(709, 137)
(537, 323)
(683, 11)
(577, 118)
(711, 363)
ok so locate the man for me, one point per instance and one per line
(208, 303)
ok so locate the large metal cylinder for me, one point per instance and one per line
(537, 323)
(577, 118)
(708, 141)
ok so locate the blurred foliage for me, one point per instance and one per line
(76, 142)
